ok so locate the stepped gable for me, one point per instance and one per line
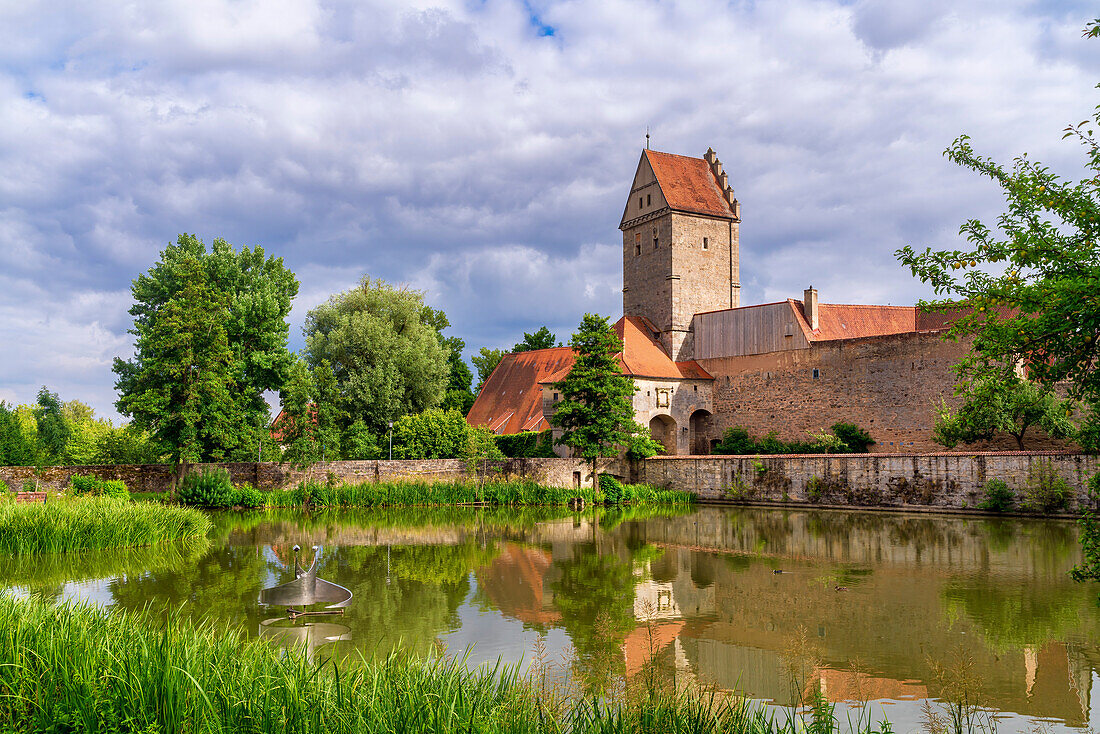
(510, 401)
(688, 184)
(643, 356)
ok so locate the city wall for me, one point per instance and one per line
(935, 480)
(159, 477)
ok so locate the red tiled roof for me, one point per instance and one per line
(688, 184)
(844, 321)
(510, 401)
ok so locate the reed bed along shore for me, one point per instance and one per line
(86, 523)
(78, 668)
(500, 493)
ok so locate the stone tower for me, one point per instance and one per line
(680, 245)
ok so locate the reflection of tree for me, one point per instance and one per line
(1011, 614)
(442, 563)
(595, 596)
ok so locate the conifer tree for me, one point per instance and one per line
(596, 412)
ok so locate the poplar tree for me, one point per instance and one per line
(180, 387)
(596, 411)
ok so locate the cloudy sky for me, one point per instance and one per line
(482, 151)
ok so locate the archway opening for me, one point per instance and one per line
(700, 424)
(663, 429)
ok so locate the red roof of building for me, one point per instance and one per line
(511, 399)
(848, 321)
(688, 184)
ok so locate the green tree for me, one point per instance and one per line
(1028, 290)
(440, 434)
(53, 430)
(541, 339)
(255, 292)
(991, 406)
(359, 443)
(596, 412)
(485, 362)
(383, 345)
(180, 386)
(459, 396)
(17, 447)
(296, 425)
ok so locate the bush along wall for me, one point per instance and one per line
(527, 445)
(845, 438)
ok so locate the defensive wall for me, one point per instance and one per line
(947, 481)
(268, 475)
(950, 481)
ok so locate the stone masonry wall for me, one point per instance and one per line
(889, 386)
(158, 477)
(945, 481)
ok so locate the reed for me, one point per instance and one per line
(502, 493)
(78, 668)
(85, 523)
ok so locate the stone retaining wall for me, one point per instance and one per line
(939, 480)
(158, 477)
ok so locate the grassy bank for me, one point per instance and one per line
(95, 522)
(504, 493)
(75, 668)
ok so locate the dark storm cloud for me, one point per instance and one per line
(482, 151)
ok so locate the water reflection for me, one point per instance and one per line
(857, 605)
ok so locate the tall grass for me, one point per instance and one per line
(77, 668)
(503, 493)
(94, 522)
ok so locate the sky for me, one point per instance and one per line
(483, 151)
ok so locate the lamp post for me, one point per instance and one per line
(391, 440)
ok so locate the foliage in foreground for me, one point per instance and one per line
(74, 667)
(96, 487)
(506, 493)
(1010, 406)
(95, 522)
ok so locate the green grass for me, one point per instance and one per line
(77, 668)
(503, 493)
(62, 525)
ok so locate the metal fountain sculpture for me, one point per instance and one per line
(306, 590)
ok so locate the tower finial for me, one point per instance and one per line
(647, 137)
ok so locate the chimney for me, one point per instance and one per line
(809, 307)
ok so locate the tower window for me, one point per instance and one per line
(706, 243)
(817, 374)
(656, 242)
(647, 199)
(637, 243)
(639, 202)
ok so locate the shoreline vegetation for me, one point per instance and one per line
(93, 523)
(212, 489)
(89, 669)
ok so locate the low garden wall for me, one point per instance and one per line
(158, 477)
(937, 480)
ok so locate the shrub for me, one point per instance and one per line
(248, 496)
(855, 438)
(999, 497)
(1046, 491)
(209, 488)
(612, 489)
(527, 444)
(815, 489)
(96, 487)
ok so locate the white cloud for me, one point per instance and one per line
(450, 145)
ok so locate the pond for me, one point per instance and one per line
(889, 609)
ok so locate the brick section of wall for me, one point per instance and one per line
(646, 289)
(889, 386)
(946, 481)
(158, 477)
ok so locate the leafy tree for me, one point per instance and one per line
(53, 430)
(360, 443)
(541, 339)
(642, 445)
(296, 425)
(1029, 287)
(596, 412)
(857, 440)
(17, 446)
(439, 434)
(384, 348)
(485, 362)
(255, 294)
(459, 395)
(329, 416)
(1013, 406)
(126, 445)
(180, 387)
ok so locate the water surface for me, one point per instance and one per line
(889, 609)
